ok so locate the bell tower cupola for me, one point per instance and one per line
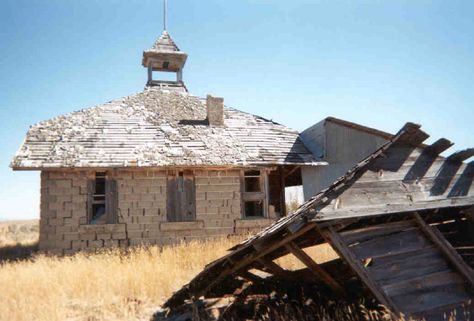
(164, 56)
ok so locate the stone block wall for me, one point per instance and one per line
(141, 213)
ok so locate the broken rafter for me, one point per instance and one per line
(461, 155)
(250, 276)
(335, 240)
(314, 267)
(439, 146)
(273, 268)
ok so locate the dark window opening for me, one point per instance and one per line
(252, 181)
(102, 199)
(100, 184)
(276, 193)
(253, 194)
(98, 200)
(166, 64)
(98, 214)
(254, 209)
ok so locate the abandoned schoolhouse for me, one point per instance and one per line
(159, 166)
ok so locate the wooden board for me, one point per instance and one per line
(401, 242)
(405, 265)
(369, 232)
(181, 196)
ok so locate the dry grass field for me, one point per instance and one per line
(111, 285)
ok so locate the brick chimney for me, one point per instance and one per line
(215, 110)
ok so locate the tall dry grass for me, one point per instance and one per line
(114, 284)
(111, 285)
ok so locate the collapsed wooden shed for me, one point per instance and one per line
(402, 220)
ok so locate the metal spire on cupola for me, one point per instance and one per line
(164, 56)
(164, 14)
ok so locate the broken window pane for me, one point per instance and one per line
(98, 208)
(99, 183)
(98, 214)
(252, 181)
(254, 209)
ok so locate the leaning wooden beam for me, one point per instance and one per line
(314, 267)
(333, 238)
(250, 277)
(273, 268)
(438, 239)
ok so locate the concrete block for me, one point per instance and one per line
(63, 244)
(104, 236)
(111, 243)
(90, 236)
(95, 244)
(71, 236)
(178, 226)
(119, 236)
(79, 244)
(135, 234)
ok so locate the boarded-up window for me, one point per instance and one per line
(181, 196)
(253, 194)
(102, 199)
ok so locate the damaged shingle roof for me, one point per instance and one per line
(164, 44)
(158, 128)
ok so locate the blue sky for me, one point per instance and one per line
(379, 63)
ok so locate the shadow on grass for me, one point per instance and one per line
(17, 252)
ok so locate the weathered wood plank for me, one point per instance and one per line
(423, 283)
(407, 266)
(189, 191)
(434, 298)
(390, 244)
(344, 251)
(172, 212)
(369, 232)
(111, 205)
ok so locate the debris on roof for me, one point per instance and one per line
(158, 128)
(401, 220)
